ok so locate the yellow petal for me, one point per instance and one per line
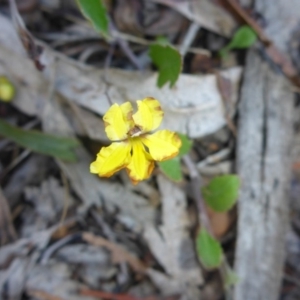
(111, 159)
(162, 145)
(118, 121)
(149, 114)
(141, 165)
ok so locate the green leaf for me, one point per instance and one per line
(37, 141)
(186, 144)
(7, 90)
(171, 168)
(231, 278)
(243, 38)
(222, 192)
(209, 250)
(95, 12)
(168, 61)
(162, 40)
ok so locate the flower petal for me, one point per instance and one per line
(118, 121)
(111, 159)
(162, 145)
(149, 114)
(141, 164)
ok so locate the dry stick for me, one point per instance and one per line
(125, 47)
(57, 245)
(88, 52)
(189, 38)
(142, 41)
(7, 229)
(196, 185)
(214, 158)
(109, 56)
(66, 198)
(42, 295)
(14, 163)
(106, 67)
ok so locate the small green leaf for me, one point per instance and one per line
(231, 278)
(37, 141)
(243, 38)
(185, 146)
(222, 192)
(171, 168)
(209, 250)
(95, 12)
(168, 61)
(162, 40)
(7, 90)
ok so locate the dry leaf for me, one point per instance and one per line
(220, 222)
(172, 245)
(194, 106)
(204, 12)
(34, 50)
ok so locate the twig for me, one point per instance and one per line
(7, 230)
(42, 295)
(88, 52)
(105, 227)
(125, 47)
(109, 56)
(106, 67)
(59, 244)
(196, 188)
(214, 158)
(189, 38)
(14, 163)
(142, 41)
(67, 196)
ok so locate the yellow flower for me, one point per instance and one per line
(134, 147)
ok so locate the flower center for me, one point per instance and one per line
(134, 132)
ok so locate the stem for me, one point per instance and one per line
(196, 188)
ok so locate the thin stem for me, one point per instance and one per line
(189, 38)
(125, 47)
(196, 188)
